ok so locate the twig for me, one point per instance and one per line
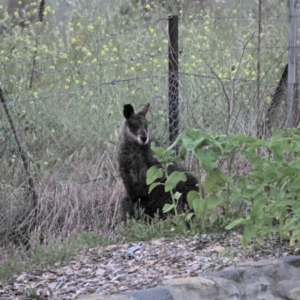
(227, 98)
(31, 189)
(235, 78)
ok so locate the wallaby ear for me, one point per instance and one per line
(145, 109)
(128, 111)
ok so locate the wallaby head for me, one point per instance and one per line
(136, 125)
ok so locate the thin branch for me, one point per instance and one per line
(235, 78)
(224, 90)
(31, 189)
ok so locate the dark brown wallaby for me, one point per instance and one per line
(135, 157)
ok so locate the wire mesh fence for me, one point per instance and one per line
(70, 117)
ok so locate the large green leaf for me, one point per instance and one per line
(214, 181)
(191, 196)
(161, 154)
(154, 173)
(173, 180)
(257, 213)
(158, 151)
(277, 134)
(244, 138)
(253, 189)
(207, 157)
(199, 206)
(295, 183)
(258, 175)
(260, 143)
(191, 144)
(295, 163)
(214, 201)
(277, 151)
(178, 141)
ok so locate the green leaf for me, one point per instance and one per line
(168, 155)
(167, 207)
(191, 144)
(153, 186)
(177, 195)
(173, 180)
(214, 181)
(260, 143)
(161, 154)
(271, 176)
(256, 213)
(253, 189)
(295, 184)
(260, 240)
(154, 173)
(295, 163)
(191, 196)
(214, 201)
(192, 132)
(199, 206)
(280, 196)
(207, 157)
(257, 175)
(284, 203)
(260, 199)
(289, 171)
(189, 216)
(278, 134)
(178, 141)
(235, 223)
(249, 232)
(276, 148)
(182, 154)
(157, 151)
(245, 138)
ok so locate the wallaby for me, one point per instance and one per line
(135, 157)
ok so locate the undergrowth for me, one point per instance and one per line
(263, 200)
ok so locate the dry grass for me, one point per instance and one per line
(81, 202)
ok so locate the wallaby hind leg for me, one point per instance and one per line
(127, 208)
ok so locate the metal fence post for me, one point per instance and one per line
(173, 79)
(292, 63)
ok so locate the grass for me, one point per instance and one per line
(56, 250)
(68, 122)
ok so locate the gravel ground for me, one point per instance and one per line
(134, 266)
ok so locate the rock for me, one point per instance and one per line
(153, 293)
(269, 280)
(200, 288)
(235, 275)
(101, 297)
(294, 294)
(292, 259)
